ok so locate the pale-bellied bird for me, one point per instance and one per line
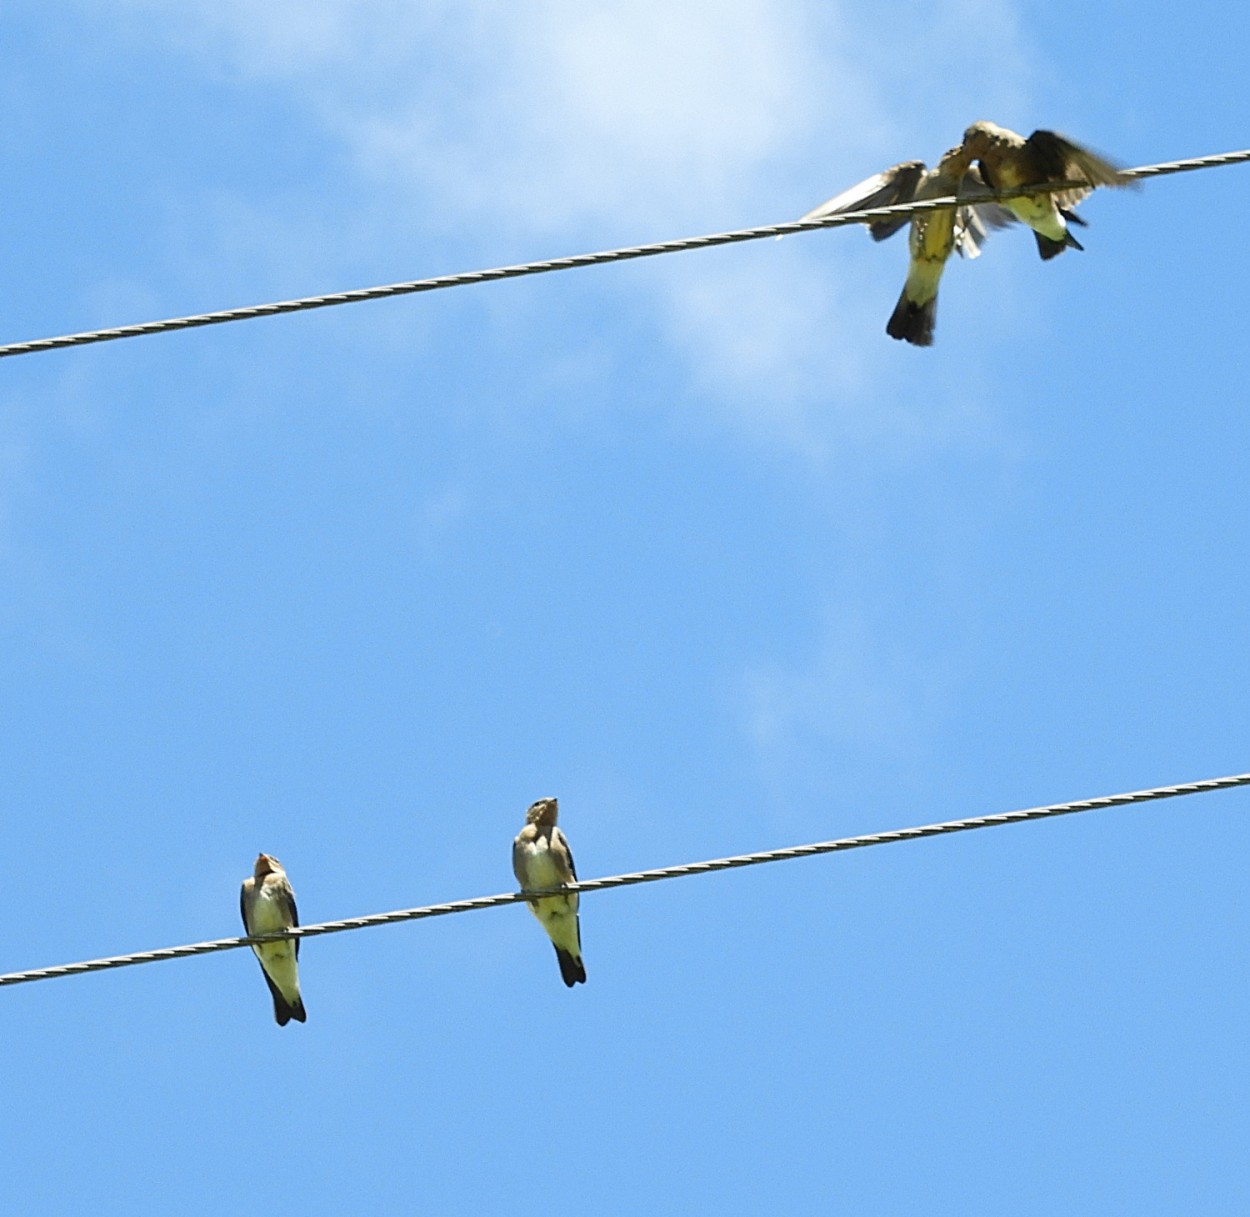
(542, 861)
(1007, 160)
(934, 235)
(268, 906)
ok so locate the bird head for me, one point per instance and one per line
(955, 161)
(543, 813)
(980, 136)
(267, 864)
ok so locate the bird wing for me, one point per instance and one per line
(563, 856)
(1059, 158)
(568, 854)
(895, 185)
(286, 902)
(518, 858)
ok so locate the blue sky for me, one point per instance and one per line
(689, 543)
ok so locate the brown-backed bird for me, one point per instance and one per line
(542, 861)
(1008, 160)
(934, 236)
(268, 906)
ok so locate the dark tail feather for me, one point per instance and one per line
(572, 971)
(283, 1011)
(1073, 218)
(1052, 249)
(912, 322)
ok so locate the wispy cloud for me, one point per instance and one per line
(591, 125)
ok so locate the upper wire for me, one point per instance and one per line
(248, 312)
(646, 876)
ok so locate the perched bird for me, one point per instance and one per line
(1007, 160)
(934, 236)
(268, 905)
(541, 861)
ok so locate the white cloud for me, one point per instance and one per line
(556, 125)
(551, 113)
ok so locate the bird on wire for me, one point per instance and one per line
(268, 906)
(541, 861)
(934, 235)
(1007, 160)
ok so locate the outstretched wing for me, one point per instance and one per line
(895, 185)
(1059, 158)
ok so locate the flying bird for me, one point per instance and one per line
(268, 906)
(934, 235)
(541, 860)
(1008, 160)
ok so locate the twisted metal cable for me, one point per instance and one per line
(1214, 161)
(678, 245)
(645, 876)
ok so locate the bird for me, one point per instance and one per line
(268, 905)
(541, 860)
(1007, 160)
(934, 235)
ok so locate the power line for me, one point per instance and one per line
(249, 312)
(646, 876)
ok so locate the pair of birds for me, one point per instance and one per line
(541, 860)
(990, 157)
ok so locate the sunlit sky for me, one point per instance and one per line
(687, 542)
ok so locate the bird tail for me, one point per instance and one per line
(1052, 249)
(283, 1010)
(912, 322)
(572, 970)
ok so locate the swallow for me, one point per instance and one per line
(934, 235)
(268, 905)
(1007, 160)
(541, 860)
